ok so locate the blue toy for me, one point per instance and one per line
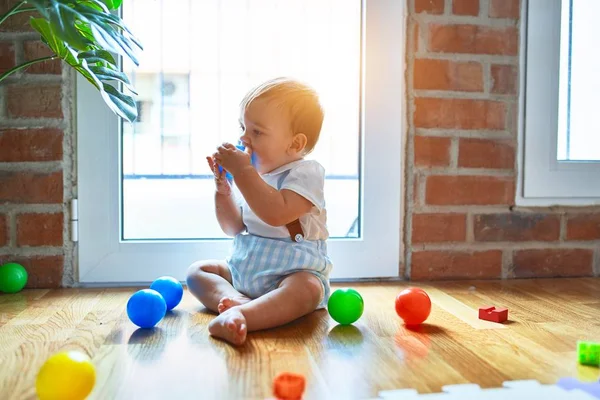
(170, 289)
(252, 160)
(146, 308)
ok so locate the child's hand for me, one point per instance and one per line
(232, 159)
(223, 185)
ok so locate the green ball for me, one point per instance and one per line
(345, 306)
(13, 278)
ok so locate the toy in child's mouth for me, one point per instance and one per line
(252, 160)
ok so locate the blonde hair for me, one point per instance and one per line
(299, 100)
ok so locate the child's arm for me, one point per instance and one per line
(228, 213)
(276, 208)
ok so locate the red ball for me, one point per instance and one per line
(413, 306)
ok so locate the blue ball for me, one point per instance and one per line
(146, 307)
(170, 289)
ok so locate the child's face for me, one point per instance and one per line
(267, 131)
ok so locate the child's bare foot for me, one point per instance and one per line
(227, 302)
(229, 326)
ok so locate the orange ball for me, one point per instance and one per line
(413, 305)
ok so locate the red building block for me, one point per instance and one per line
(289, 386)
(491, 313)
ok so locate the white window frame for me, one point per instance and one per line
(542, 180)
(105, 259)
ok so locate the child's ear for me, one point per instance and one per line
(299, 142)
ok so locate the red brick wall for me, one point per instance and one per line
(35, 157)
(460, 219)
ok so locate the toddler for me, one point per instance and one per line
(278, 269)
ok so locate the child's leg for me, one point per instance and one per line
(297, 295)
(210, 282)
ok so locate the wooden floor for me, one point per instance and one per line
(178, 360)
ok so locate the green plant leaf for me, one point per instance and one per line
(106, 18)
(106, 74)
(97, 4)
(63, 19)
(84, 30)
(110, 74)
(114, 41)
(110, 23)
(41, 6)
(98, 56)
(120, 103)
(131, 37)
(44, 29)
(89, 76)
(49, 37)
(110, 19)
(85, 23)
(85, 34)
(113, 4)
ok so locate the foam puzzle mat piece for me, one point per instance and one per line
(461, 389)
(398, 394)
(512, 390)
(592, 388)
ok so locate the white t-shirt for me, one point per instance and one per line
(305, 177)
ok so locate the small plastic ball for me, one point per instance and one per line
(345, 306)
(413, 305)
(67, 375)
(146, 308)
(170, 289)
(13, 278)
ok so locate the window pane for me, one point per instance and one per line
(200, 57)
(579, 126)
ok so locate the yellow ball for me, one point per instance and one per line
(69, 375)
